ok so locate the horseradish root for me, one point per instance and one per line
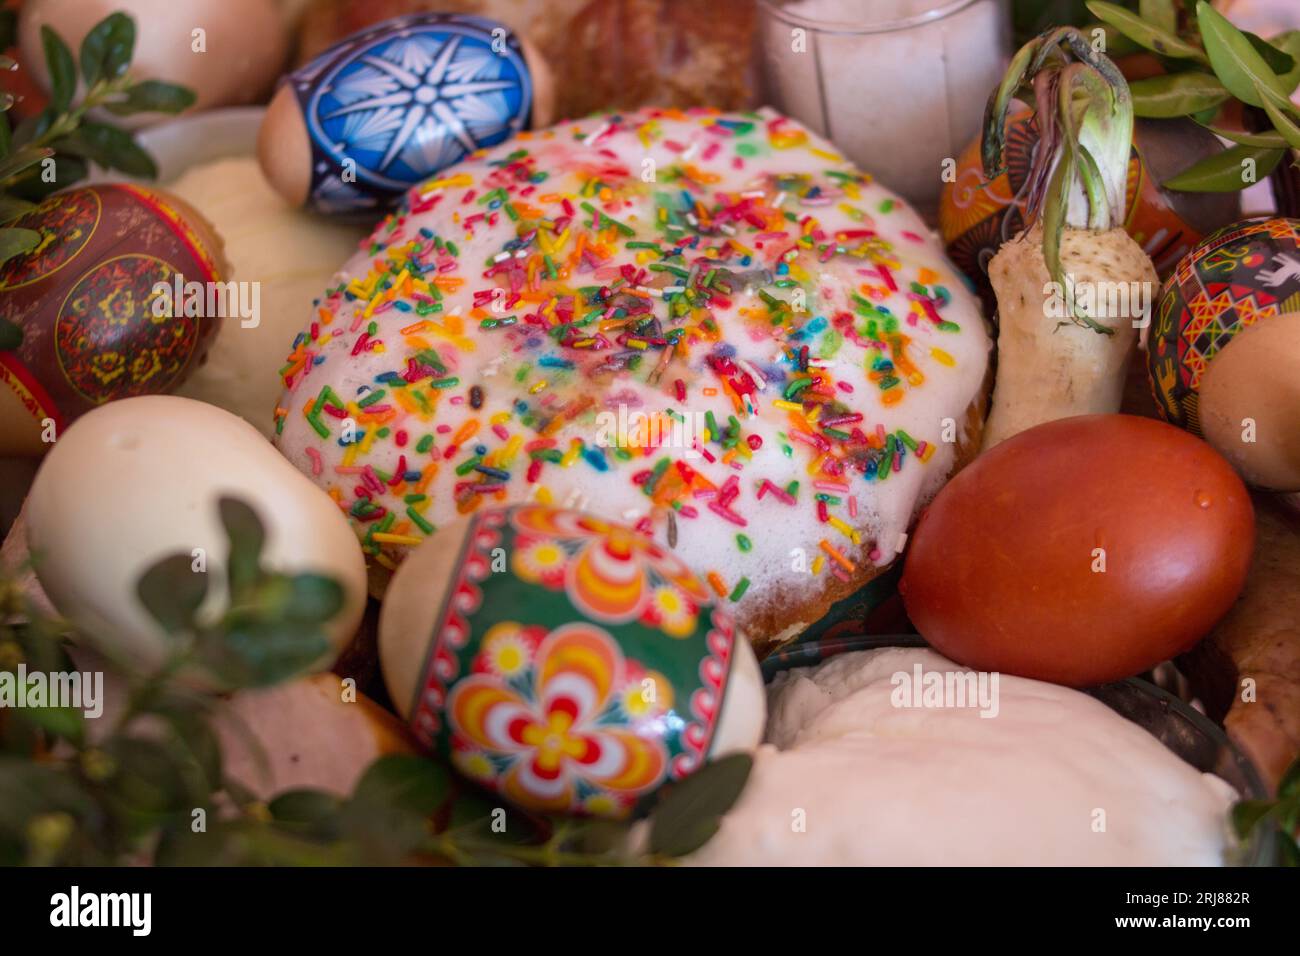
(1050, 367)
(1073, 289)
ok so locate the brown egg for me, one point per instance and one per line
(310, 732)
(1250, 403)
(1080, 551)
(85, 300)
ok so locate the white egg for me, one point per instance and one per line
(139, 479)
(226, 51)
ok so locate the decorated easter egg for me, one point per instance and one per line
(140, 480)
(568, 663)
(1250, 403)
(86, 303)
(390, 106)
(1240, 275)
(977, 216)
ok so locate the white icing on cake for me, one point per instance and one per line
(744, 214)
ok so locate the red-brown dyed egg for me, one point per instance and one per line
(84, 300)
(1080, 551)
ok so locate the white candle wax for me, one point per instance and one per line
(899, 101)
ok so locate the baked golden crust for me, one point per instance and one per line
(605, 54)
(776, 616)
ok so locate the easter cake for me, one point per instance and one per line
(708, 326)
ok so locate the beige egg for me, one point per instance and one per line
(284, 148)
(139, 479)
(227, 51)
(414, 603)
(1250, 403)
(287, 255)
(313, 732)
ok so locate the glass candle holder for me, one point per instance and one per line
(899, 86)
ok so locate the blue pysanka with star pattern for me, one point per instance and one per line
(406, 99)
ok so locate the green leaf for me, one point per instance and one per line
(1289, 786)
(195, 735)
(34, 126)
(1284, 124)
(1054, 210)
(389, 814)
(12, 208)
(68, 169)
(306, 598)
(471, 810)
(1289, 850)
(253, 652)
(149, 781)
(247, 538)
(14, 242)
(1145, 34)
(179, 845)
(993, 142)
(1269, 139)
(1205, 117)
(106, 50)
(63, 71)
(66, 722)
(28, 789)
(171, 591)
(1176, 94)
(1159, 13)
(22, 159)
(8, 28)
(11, 335)
(1289, 43)
(1279, 61)
(111, 148)
(1246, 815)
(1223, 172)
(313, 813)
(413, 783)
(690, 813)
(606, 838)
(1236, 62)
(153, 96)
(1114, 43)
(303, 805)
